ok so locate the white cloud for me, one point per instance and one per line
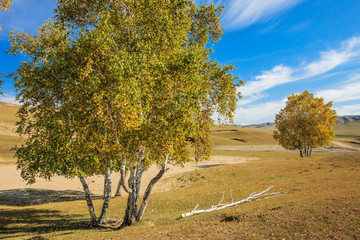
(348, 92)
(259, 113)
(280, 74)
(353, 78)
(243, 13)
(255, 90)
(348, 110)
(351, 44)
(330, 59)
(9, 98)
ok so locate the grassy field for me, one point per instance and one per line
(7, 137)
(349, 130)
(227, 135)
(348, 133)
(6, 143)
(8, 113)
(322, 202)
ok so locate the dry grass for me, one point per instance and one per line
(349, 134)
(8, 113)
(349, 130)
(6, 143)
(7, 136)
(322, 204)
(323, 200)
(226, 135)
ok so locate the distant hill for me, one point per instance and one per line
(341, 120)
(348, 119)
(260, 125)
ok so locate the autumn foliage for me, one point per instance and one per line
(4, 6)
(110, 86)
(305, 123)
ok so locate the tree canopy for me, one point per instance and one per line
(305, 123)
(115, 85)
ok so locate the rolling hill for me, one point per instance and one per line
(341, 120)
(347, 130)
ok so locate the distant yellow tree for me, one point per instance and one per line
(305, 123)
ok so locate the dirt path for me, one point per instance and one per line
(12, 186)
(338, 148)
(345, 145)
(15, 191)
(252, 148)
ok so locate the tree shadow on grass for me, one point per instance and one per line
(28, 197)
(23, 222)
(209, 165)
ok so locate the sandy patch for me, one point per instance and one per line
(166, 183)
(8, 129)
(338, 147)
(347, 146)
(12, 186)
(252, 148)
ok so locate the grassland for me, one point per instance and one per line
(348, 133)
(227, 135)
(8, 113)
(8, 138)
(321, 203)
(348, 130)
(322, 200)
(6, 143)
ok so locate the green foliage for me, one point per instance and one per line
(119, 80)
(305, 123)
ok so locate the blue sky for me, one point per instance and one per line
(278, 47)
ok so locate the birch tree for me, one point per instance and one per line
(118, 86)
(305, 123)
(65, 114)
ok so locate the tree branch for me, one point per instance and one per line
(220, 205)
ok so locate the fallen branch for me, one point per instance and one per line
(220, 205)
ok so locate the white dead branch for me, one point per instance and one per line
(252, 197)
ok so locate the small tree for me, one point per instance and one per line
(305, 123)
